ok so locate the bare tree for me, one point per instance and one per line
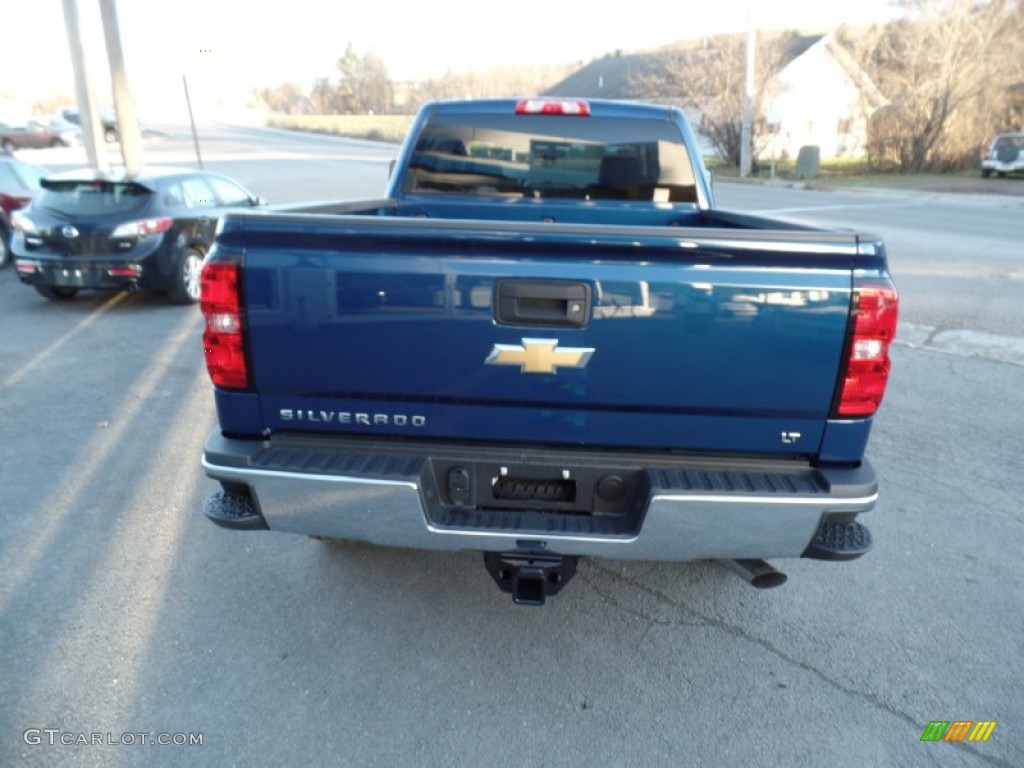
(363, 85)
(286, 98)
(708, 75)
(493, 83)
(324, 97)
(946, 69)
(375, 91)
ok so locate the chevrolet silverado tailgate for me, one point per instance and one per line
(671, 337)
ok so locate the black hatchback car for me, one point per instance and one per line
(110, 231)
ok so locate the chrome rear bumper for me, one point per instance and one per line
(388, 495)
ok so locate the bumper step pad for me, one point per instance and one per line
(837, 540)
(235, 511)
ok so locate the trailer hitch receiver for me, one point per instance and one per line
(530, 577)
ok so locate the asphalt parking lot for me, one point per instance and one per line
(123, 611)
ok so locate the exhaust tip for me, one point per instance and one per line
(769, 580)
(757, 573)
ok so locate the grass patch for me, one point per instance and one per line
(390, 128)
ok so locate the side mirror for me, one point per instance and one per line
(255, 201)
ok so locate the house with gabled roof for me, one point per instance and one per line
(818, 95)
(822, 98)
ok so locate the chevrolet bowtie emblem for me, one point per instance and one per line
(539, 356)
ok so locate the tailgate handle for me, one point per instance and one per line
(550, 303)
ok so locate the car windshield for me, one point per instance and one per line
(552, 156)
(92, 198)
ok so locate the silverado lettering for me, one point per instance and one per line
(564, 350)
(349, 417)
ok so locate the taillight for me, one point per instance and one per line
(222, 337)
(129, 270)
(875, 314)
(553, 107)
(11, 203)
(142, 227)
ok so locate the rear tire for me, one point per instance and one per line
(53, 293)
(5, 250)
(186, 278)
(986, 172)
(110, 135)
(8, 146)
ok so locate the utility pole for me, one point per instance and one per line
(124, 104)
(748, 102)
(88, 117)
(192, 120)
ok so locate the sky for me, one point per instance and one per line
(232, 46)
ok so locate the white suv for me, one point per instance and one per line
(1004, 155)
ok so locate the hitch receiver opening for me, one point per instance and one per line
(530, 577)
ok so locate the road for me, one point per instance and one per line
(957, 259)
(123, 611)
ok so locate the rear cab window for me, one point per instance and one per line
(543, 156)
(92, 198)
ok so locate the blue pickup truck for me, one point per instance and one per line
(545, 342)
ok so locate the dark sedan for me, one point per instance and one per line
(19, 182)
(111, 231)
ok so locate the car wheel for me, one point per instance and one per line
(986, 172)
(53, 293)
(56, 143)
(5, 249)
(110, 135)
(186, 278)
(7, 145)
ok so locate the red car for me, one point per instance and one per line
(19, 183)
